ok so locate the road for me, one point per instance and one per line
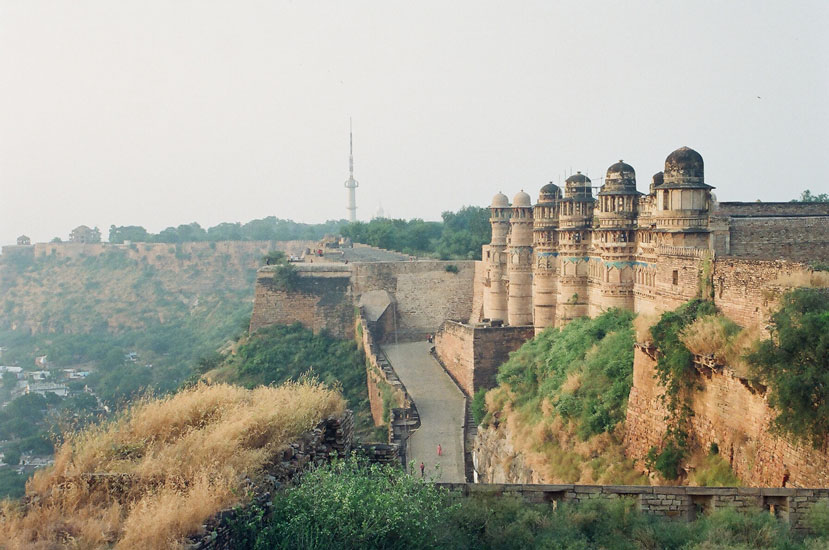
(440, 405)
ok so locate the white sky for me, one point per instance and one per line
(157, 113)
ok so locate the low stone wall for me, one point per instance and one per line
(331, 437)
(472, 354)
(402, 419)
(676, 502)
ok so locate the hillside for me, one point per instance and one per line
(135, 315)
(152, 477)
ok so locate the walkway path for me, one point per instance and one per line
(440, 405)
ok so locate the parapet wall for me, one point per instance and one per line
(677, 502)
(319, 299)
(472, 354)
(766, 209)
(729, 411)
(386, 392)
(425, 293)
(802, 239)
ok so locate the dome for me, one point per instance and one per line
(620, 180)
(521, 199)
(549, 192)
(577, 186)
(684, 167)
(658, 179)
(500, 201)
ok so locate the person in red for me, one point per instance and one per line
(440, 450)
(421, 469)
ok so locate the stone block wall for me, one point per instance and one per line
(685, 503)
(425, 293)
(321, 300)
(767, 209)
(729, 411)
(472, 354)
(802, 239)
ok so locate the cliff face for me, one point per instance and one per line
(728, 411)
(80, 288)
(495, 460)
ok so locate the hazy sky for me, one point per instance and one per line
(158, 113)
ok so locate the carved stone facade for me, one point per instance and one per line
(573, 254)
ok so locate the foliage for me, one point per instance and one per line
(265, 229)
(350, 504)
(674, 369)
(710, 336)
(12, 484)
(807, 196)
(274, 257)
(794, 363)
(354, 504)
(564, 394)
(478, 406)
(177, 461)
(285, 277)
(451, 268)
(279, 353)
(714, 471)
(460, 235)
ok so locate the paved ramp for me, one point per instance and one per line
(440, 405)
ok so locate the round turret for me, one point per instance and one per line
(500, 201)
(549, 193)
(522, 200)
(620, 180)
(684, 167)
(577, 186)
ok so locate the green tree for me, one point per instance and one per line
(807, 196)
(795, 364)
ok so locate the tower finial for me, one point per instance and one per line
(351, 183)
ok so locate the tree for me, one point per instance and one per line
(807, 196)
(795, 364)
(133, 233)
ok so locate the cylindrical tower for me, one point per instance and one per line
(545, 260)
(615, 238)
(495, 256)
(575, 222)
(520, 300)
(683, 201)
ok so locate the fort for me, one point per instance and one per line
(578, 252)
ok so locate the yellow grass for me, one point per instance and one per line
(710, 335)
(804, 278)
(168, 465)
(642, 324)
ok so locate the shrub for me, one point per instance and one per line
(714, 471)
(795, 364)
(478, 407)
(710, 335)
(451, 268)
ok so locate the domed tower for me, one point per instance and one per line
(615, 238)
(495, 293)
(520, 248)
(683, 201)
(575, 221)
(545, 259)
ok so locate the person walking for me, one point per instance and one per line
(440, 450)
(421, 469)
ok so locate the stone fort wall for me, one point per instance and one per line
(727, 410)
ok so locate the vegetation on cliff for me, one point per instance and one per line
(265, 229)
(563, 397)
(460, 236)
(162, 468)
(794, 362)
(352, 504)
(166, 308)
(279, 353)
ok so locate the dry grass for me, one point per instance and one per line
(710, 336)
(803, 279)
(168, 465)
(642, 324)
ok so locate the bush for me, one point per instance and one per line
(478, 407)
(795, 364)
(711, 336)
(451, 268)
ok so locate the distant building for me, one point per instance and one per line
(83, 234)
(41, 361)
(23, 240)
(42, 388)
